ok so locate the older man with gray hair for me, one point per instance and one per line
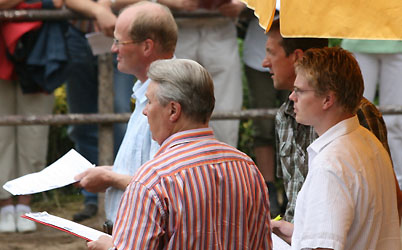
(197, 192)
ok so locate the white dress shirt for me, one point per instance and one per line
(348, 200)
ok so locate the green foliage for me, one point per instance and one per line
(334, 42)
(246, 141)
(60, 104)
(59, 143)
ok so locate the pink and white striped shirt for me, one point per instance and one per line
(197, 193)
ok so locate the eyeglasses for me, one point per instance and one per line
(118, 42)
(298, 91)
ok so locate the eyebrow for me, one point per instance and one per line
(269, 50)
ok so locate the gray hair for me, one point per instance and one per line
(186, 82)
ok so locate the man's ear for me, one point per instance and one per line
(298, 54)
(148, 47)
(329, 100)
(175, 111)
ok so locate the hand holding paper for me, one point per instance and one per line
(95, 179)
(101, 243)
(283, 230)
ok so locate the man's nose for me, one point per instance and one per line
(266, 63)
(293, 96)
(114, 48)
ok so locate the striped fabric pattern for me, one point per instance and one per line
(197, 193)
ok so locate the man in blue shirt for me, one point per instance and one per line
(82, 86)
(145, 32)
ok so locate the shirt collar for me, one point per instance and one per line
(139, 90)
(341, 128)
(289, 110)
(185, 137)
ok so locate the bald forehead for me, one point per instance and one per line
(146, 6)
(128, 15)
(123, 23)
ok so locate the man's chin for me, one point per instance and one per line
(122, 69)
(279, 86)
(302, 121)
(299, 119)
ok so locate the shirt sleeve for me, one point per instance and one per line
(139, 222)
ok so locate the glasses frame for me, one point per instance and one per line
(117, 42)
(299, 92)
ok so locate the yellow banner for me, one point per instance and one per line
(358, 19)
(264, 10)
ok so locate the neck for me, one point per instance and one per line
(187, 124)
(143, 75)
(328, 122)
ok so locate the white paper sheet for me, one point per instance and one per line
(65, 225)
(279, 244)
(58, 174)
(100, 44)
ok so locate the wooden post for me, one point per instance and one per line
(105, 106)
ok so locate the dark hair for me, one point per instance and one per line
(291, 44)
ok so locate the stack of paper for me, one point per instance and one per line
(58, 174)
(68, 226)
(279, 244)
